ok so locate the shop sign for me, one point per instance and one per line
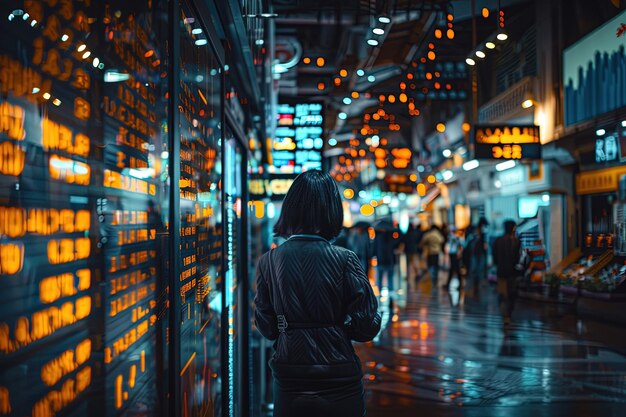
(507, 142)
(275, 187)
(607, 149)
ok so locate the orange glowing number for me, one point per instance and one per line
(82, 109)
(11, 258)
(11, 159)
(12, 121)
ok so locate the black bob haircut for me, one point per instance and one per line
(312, 206)
(509, 226)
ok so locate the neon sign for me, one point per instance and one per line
(507, 142)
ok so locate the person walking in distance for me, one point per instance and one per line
(313, 299)
(432, 242)
(413, 252)
(506, 257)
(386, 258)
(475, 257)
(455, 250)
(359, 243)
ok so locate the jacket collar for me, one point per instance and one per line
(307, 237)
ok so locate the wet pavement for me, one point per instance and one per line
(445, 355)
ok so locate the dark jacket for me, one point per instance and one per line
(412, 240)
(317, 283)
(506, 256)
(384, 245)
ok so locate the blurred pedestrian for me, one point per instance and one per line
(313, 299)
(455, 250)
(506, 257)
(413, 251)
(385, 257)
(475, 257)
(359, 242)
(432, 242)
(342, 238)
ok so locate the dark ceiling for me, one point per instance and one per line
(414, 78)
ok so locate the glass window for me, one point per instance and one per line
(201, 226)
(83, 206)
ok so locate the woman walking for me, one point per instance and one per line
(312, 300)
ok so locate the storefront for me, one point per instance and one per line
(123, 196)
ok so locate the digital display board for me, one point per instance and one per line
(298, 144)
(82, 219)
(507, 142)
(594, 73)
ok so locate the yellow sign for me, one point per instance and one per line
(507, 142)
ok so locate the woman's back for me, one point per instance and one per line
(320, 286)
(312, 299)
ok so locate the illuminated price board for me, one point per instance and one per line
(507, 142)
(298, 144)
(274, 186)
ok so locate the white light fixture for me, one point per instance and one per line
(46, 96)
(527, 104)
(278, 69)
(447, 175)
(497, 183)
(376, 138)
(447, 153)
(82, 47)
(65, 37)
(470, 61)
(35, 90)
(95, 62)
(112, 76)
(623, 123)
(11, 17)
(371, 78)
(347, 100)
(332, 141)
(33, 23)
(201, 42)
(196, 31)
(165, 155)
(259, 42)
(362, 194)
(545, 198)
(378, 31)
(384, 19)
(490, 45)
(503, 166)
(600, 132)
(502, 36)
(372, 42)
(420, 168)
(470, 165)
(56, 102)
(86, 54)
(25, 16)
(360, 72)
(342, 115)
(480, 54)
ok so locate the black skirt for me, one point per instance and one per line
(335, 400)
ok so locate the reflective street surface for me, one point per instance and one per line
(443, 355)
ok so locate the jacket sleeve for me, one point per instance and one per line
(362, 305)
(264, 314)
